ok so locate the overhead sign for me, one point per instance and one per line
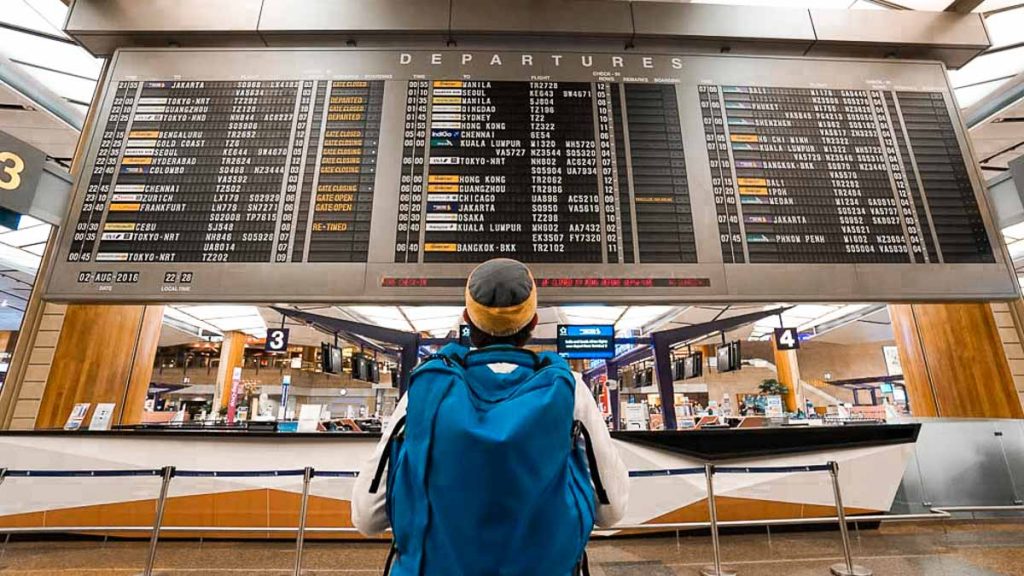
(590, 341)
(386, 175)
(21, 166)
(787, 339)
(277, 339)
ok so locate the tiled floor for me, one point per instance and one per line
(951, 549)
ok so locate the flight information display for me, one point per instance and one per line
(209, 171)
(267, 175)
(825, 176)
(528, 170)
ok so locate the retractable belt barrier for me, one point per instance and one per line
(847, 568)
(78, 473)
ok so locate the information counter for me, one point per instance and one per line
(872, 460)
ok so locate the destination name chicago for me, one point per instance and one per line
(527, 60)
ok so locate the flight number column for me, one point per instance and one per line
(563, 174)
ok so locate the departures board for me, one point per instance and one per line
(350, 175)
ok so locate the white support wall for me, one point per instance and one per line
(1012, 345)
(26, 406)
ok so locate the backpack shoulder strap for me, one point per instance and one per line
(503, 353)
(552, 359)
(386, 456)
(578, 431)
(451, 358)
(450, 355)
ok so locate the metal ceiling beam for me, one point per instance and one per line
(963, 6)
(995, 103)
(19, 80)
(102, 26)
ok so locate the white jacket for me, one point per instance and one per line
(369, 512)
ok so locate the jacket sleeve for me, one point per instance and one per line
(613, 472)
(369, 511)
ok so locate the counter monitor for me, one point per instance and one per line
(586, 341)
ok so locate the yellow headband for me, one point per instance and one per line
(506, 320)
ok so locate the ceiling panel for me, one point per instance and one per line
(990, 5)
(44, 16)
(999, 140)
(989, 66)
(928, 5)
(833, 4)
(1005, 28)
(36, 127)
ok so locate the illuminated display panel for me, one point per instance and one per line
(373, 175)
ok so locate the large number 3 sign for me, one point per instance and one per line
(11, 166)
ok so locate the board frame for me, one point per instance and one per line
(361, 283)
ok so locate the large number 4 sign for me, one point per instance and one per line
(11, 166)
(787, 339)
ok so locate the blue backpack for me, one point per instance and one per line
(487, 475)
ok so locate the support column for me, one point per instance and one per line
(953, 361)
(789, 374)
(104, 354)
(1010, 321)
(7, 340)
(232, 353)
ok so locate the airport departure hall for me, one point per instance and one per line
(780, 243)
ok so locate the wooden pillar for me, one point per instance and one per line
(7, 340)
(309, 355)
(232, 353)
(142, 369)
(104, 354)
(953, 361)
(789, 374)
(1013, 344)
(708, 350)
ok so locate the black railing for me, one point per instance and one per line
(167, 474)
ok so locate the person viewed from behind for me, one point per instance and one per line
(496, 460)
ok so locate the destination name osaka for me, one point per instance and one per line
(600, 61)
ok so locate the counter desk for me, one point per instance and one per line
(872, 460)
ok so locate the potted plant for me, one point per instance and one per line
(772, 387)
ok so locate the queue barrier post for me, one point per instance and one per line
(716, 570)
(848, 568)
(300, 537)
(167, 472)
